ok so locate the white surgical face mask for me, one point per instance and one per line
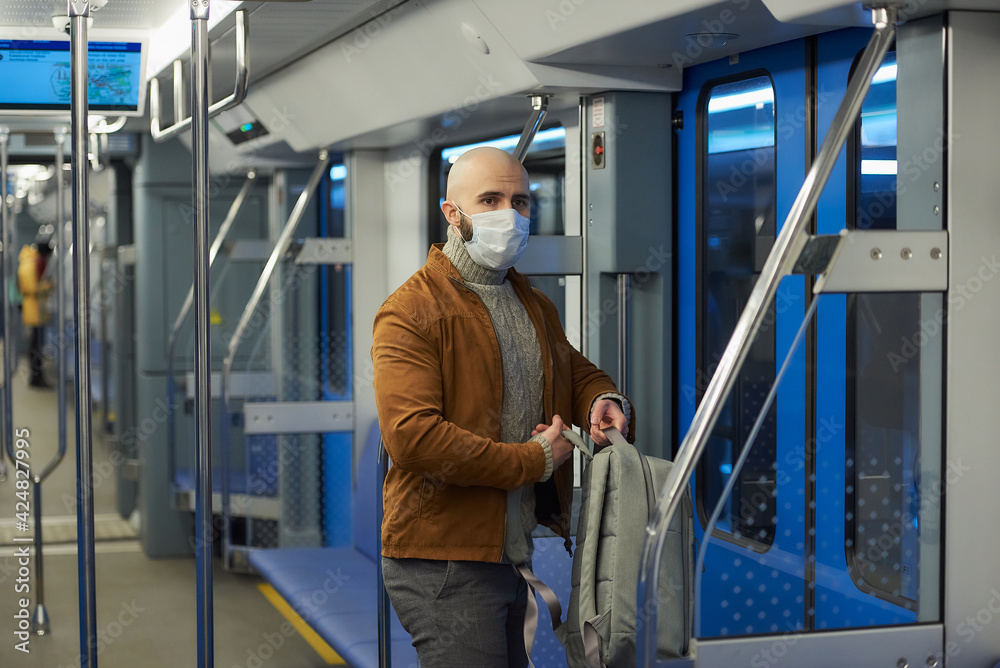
(498, 237)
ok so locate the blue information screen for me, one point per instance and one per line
(35, 74)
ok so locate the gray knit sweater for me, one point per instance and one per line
(523, 382)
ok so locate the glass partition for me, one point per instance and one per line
(875, 558)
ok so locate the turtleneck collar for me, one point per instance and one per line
(454, 249)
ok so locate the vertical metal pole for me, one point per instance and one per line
(624, 288)
(202, 359)
(79, 12)
(585, 222)
(384, 626)
(40, 618)
(63, 249)
(9, 333)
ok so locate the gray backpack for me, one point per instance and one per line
(620, 490)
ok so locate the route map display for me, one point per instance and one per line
(35, 75)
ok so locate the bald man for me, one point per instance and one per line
(475, 383)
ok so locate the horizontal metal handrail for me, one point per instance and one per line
(780, 263)
(229, 102)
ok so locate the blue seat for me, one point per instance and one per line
(553, 566)
(335, 589)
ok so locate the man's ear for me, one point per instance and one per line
(451, 214)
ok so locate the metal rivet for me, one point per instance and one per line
(876, 254)
(937, 186)
(902, 663)
(932, 661)
(906, 253)
(936, 253)
(936, 209)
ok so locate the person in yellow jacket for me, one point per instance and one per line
(34, 290)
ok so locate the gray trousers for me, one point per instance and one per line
(460, 614)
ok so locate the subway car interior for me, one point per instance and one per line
(773, 223)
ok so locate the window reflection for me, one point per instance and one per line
(736, 232)
(883, 402)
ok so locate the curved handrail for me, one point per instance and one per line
(280, 248)
(40, 617)
(60, 310)
(232, 100)
(105, 128)
(780, 262)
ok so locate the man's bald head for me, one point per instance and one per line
(485, 179)
(479, 163)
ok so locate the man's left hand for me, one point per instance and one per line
(606, 413)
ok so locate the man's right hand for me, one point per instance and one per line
(561, 448)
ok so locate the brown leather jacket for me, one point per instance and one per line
(438, 388)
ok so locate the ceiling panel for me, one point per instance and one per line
(116, 14)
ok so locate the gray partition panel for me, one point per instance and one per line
(628, 214)
(972, 458)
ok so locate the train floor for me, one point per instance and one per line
(146, 608)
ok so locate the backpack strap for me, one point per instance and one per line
(551, 602)
(535, 585)
(592, 643)
(616, 438)
(575, 439)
